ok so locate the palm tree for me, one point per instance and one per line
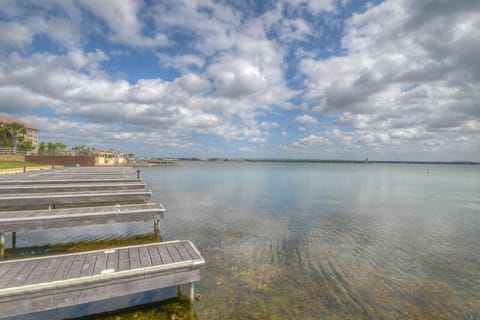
(10, 134)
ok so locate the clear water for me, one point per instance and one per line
(318, 241)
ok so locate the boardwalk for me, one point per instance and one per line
(39, 284)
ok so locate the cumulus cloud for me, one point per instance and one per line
(311, 140)
(404, 80)
(306, 119)
(15, 35)
(122, 19)
(408, 74)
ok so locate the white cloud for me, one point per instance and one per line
(306, 119)
(311, 140)
(122, 18)
(403, 77)
(182, 62)
(15, 35)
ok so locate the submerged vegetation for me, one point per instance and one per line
(171, 309)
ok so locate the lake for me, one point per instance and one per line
(313, 240)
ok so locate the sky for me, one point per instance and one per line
(308, 79)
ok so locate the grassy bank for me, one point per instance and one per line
(18, 164)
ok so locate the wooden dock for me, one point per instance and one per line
(35, 220)
(72, 187)
(40, 284)
(81, 196)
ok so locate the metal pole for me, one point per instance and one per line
(191, 292)
(2, 244)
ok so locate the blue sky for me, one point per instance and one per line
(324, 79)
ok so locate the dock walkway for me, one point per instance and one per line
(72, 187)
(44, 283)
(35, 220)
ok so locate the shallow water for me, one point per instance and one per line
(310, 241)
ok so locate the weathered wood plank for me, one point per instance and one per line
(174, 252)
(195, 255)
(50, 272)
(63, 268)
(5, 268)
(101, 263)
(145, 260)
(89, 265)
(22, 274)
(10, 275)
(112, 260)
(77, 265)
(183, 251)
(38, 272)
(134, 258)
(155, 255)
(123, 260)
(166, 258)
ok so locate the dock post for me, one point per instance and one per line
(156, 226)
(2, 244)
(191, 292)
(14, 240)
(138, 174)
(24, 168)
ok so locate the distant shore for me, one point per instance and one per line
(330, 161)
(155, 164)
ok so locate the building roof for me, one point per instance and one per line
(7, 119)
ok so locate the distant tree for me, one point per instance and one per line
(82, 150)
(54, 148)
(131, 155)
(26, 145)
(42, 148)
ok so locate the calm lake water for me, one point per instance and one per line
(315, 241)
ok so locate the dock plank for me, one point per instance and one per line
(112, 260)
(123, 260)
(155, 255)
(22, 274)
(134, 258)
(101, 263)
(63, 268)
(38, 272)
(166, 258)
(76, 267)
(172, 249)
(145, 259)
(6, 277)
(195, 255)
(183, 251)
(89, 265)
(50, 272)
